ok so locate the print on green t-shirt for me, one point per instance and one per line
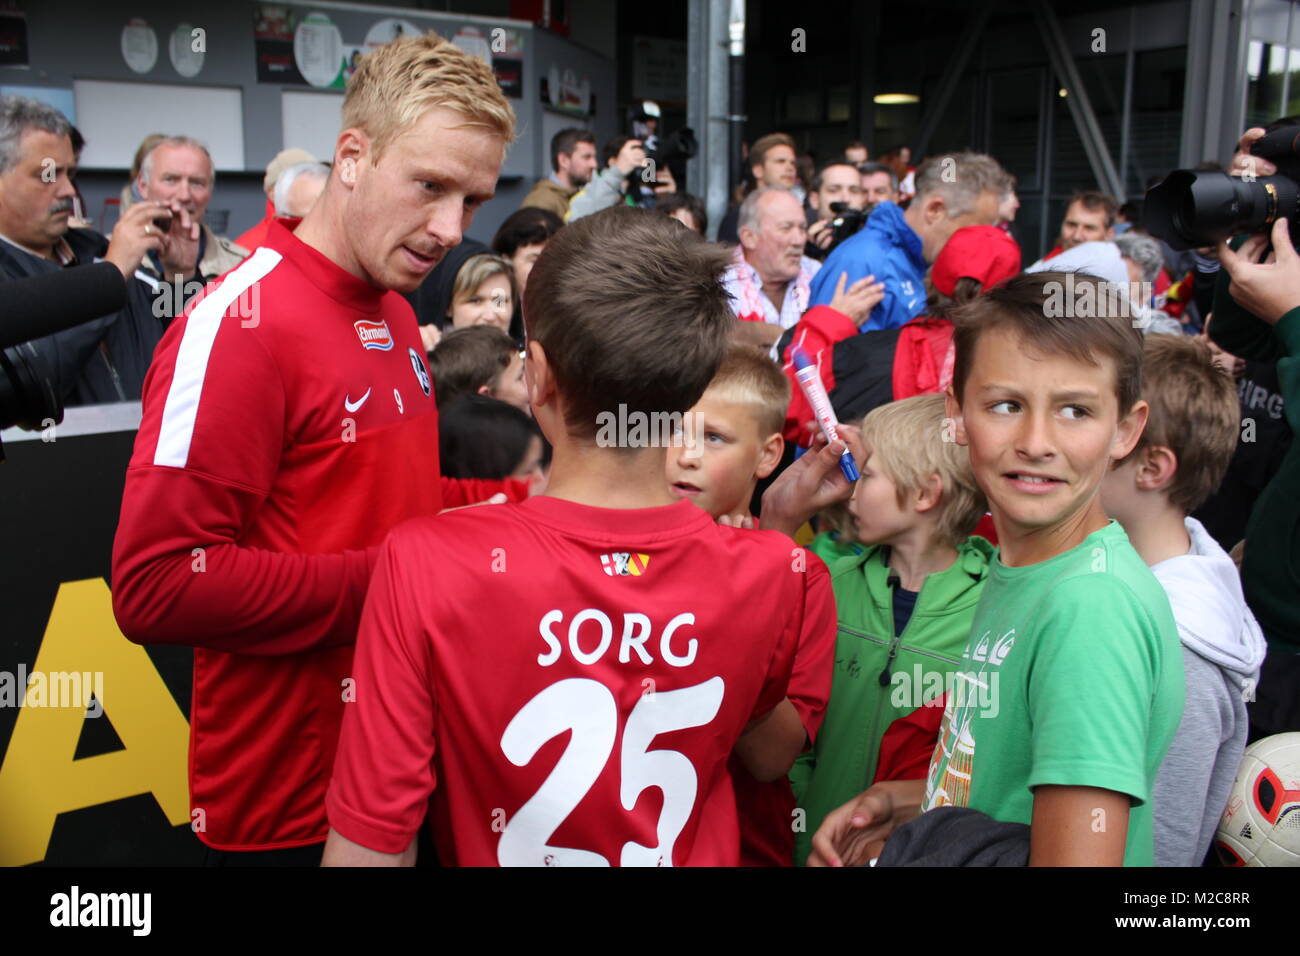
(1073, 677)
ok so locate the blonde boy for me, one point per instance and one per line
(733, 438)
(733, 441)
(914, 509)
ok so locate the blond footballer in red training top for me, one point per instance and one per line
(288, 424)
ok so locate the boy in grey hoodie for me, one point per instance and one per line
(1190, 437)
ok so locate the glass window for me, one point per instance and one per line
(801, 106)
(1293, 83)
(1265, 64)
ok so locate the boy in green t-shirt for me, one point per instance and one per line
(1073, 634)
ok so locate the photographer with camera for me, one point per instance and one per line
(624, 157)
(178, 171)
(836, 201)
(1250, 215)
(1257, 316)
(77, 366)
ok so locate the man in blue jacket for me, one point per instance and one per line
(896, 246)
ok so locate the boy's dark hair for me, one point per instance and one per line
(467, 359)
(566, 141)
(1194, 413)
(528, 226)
(1035, 306)
(693, 204)
(631, 311)
(484, 438)
(613, 148)
(1093, 201)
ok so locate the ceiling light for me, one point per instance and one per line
(895, 99)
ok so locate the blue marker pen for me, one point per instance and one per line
(811, 383)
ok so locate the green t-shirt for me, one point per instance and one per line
(1073, 676)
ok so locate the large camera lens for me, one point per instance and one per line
(1199, 208)
(27, 394)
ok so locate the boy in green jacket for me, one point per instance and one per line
(904, 606)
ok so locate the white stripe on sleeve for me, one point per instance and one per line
(182, 406)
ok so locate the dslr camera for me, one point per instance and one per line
(847, 222)
(1195, 208)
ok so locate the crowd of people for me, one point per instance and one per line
(1063, 584)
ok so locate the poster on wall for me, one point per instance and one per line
(502, 48)
(13, 38)
(565, 92)
(273, 44)
(318, 51)
(510, 75)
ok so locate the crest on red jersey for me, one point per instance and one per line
(622, 563)
(421, 373)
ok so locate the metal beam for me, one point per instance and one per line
(1085, 120)
(1126, 116)
(707, 104)
(971, 35)
(1214, 104)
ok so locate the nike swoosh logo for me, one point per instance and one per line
(353, 406)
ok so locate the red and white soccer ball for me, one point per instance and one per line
(1261, 824)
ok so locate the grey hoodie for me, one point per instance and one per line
(1222, 650)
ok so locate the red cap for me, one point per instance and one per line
(986, 253)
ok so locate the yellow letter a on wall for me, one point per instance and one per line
(39, 779)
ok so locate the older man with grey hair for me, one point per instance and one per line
(952, 191)
(180, 169)
(1143, 258)
(298, 188)
(98, 361)
(769, 278)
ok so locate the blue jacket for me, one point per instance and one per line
(889, 249)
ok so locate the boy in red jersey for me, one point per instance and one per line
(288, 425)
(632, 643)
